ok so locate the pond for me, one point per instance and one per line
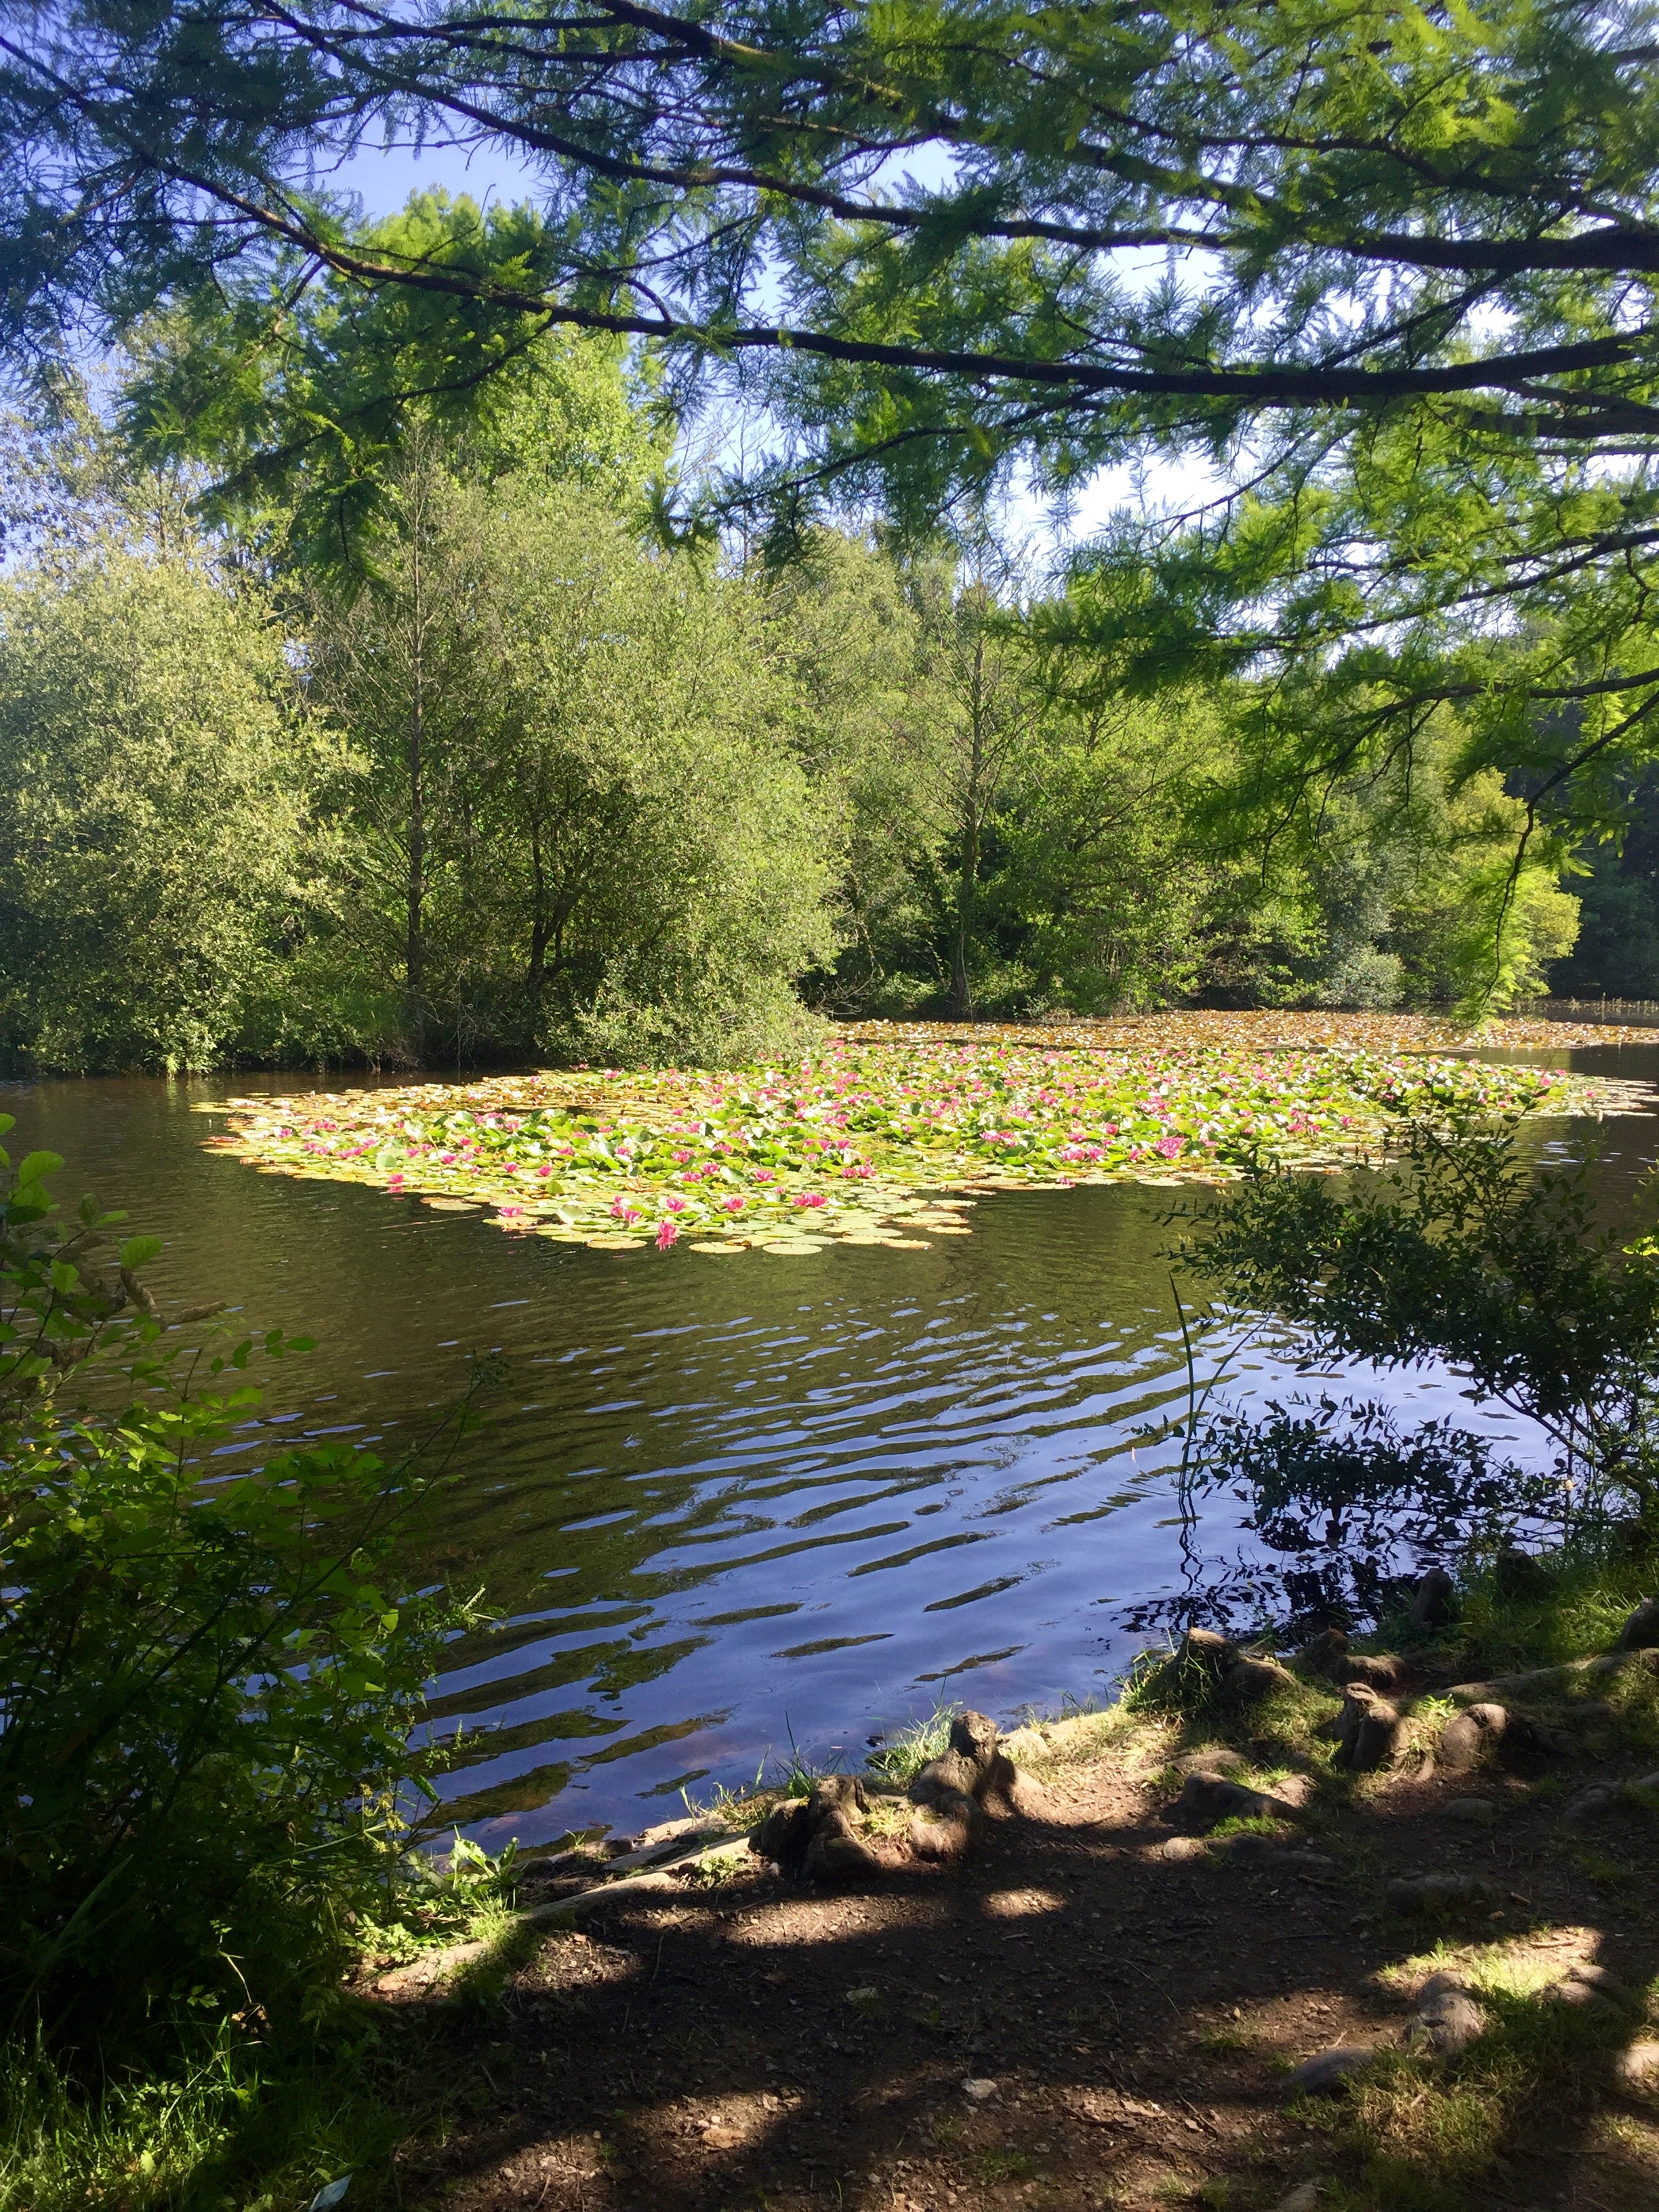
(725, 1508)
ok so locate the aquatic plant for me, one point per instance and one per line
(843, 1143)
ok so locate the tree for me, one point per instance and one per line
(581, 825)
(299, 411)
(1386, 269)
(158, 854)
(992, 708)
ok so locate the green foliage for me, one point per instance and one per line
(1340, 1496)
(156, 855)
(905, 1751)
(208, 1679)
(1466, 1252)
(302, 407)
(581, 828)
(1395, 325)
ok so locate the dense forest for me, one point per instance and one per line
(436, 740)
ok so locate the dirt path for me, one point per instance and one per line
(1135, 1998)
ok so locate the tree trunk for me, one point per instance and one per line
(414, 915)
(970, 822)
(535, 981)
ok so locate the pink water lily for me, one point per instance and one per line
(666, 1235)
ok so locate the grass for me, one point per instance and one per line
(1417, 2134)
(904, 1752)
(241, 2125)
(244, 2123)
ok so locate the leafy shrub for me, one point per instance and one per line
(208, 1682)
(1465, 1253)
(1348, 1499)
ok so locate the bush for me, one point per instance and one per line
(1351, 1507)
(1464, 1253)
(208, 1683)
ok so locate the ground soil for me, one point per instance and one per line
(757, 2044)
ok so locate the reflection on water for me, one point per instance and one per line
(721, 1504)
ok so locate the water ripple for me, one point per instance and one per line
(932, 1465)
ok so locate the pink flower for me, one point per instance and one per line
(764, 1175)
(509, 1213)
(666, 1235)
(733, 1206)
(809, 1198)
(681, 1157)
(1168, 1146)
(675, 1204)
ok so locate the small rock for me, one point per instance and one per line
(1325, 1655)
(1214, 1759)
(1328, 2071)
(949, 1790)
(1641, 1631)
(816, 1840)
(1177, 1850)
(1470, 1812)
(1248, 1850)
(1517, 1575)
(1590, 1984)
(978, 2091)
(1249, 1680)
(1638, 2067)
(1272, 1857)
(1448, 2018)
(943, 1833)
(1467, 1739)
(1205, 1652)
(1589, 1804)
(1529, 1747)
(1328, 1655)
(1438, 1892)
(1432, 1600)
(1313, 1866)
(1371, 1729)
(1294, 1790)
(1646, 1783)
(1207, 1798)
(1306, 2196)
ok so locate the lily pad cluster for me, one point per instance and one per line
(871, 1139)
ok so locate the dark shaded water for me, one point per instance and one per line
(723, 1505)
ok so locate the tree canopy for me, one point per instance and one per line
(1388, 267)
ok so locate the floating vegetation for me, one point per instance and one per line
(882, 1138)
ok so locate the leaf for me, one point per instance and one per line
(34, 1167)
(330, 2195)
(138, 1251)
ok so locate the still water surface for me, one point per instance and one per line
(724, 1505)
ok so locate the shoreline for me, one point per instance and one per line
(1202, 1960)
